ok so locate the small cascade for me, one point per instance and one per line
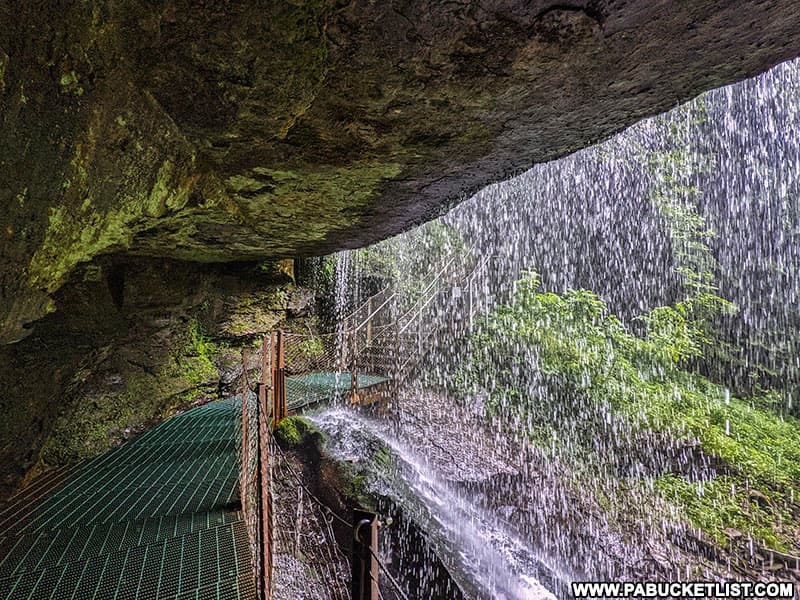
(604, 332)
(479, 552)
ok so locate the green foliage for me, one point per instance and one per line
(327, 269)
(669, 330)
(194, 361)
(575, 341)
(198, 343)
(311, 347)
(674, 167)
(722, 508)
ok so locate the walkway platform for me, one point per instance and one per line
(312, 388)
(155, 518)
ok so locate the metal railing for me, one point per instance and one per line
(365, 360)
(262, 409)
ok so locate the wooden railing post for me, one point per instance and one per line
(266, 369)
(364, 561)
(279, 408)
(265, 484)
(282, 371)
(245, 440)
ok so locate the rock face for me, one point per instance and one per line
(142, 140)
(221, 131)
(131, 343)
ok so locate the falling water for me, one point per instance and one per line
(700, 203)
(485, 558)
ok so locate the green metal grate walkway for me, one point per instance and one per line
(156, 518)
(312, 388)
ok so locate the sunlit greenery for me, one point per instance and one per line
(411, 260)
(194, 360)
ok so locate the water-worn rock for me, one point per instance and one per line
(222, 131)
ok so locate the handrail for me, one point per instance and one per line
(355, 311)
(481, 265)
(468, 278)
(425, 291)
(374, 312)
(418, 311)
(399, 325)
(438, 276)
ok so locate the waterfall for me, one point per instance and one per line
(657, 384)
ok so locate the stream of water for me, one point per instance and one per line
(703, 202)
(480, 553)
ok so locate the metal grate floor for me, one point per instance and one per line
(155, 518)
(303, 390)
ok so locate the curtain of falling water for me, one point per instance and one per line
(591, 221)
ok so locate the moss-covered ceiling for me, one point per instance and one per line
(220, 131)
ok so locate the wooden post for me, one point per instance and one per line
(276, 409)
(365, 550)
(266, 368)
(265, 472)
(279, 409)
(282, 370)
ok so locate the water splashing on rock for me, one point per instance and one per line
(627, 409)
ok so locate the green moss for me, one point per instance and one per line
(475, 132)
(382, 457)
(291, 431)
(68, 79)
(70, 82)
(162, 195)
(271, 300)
(357, 487)
(194, 361)
(304, 57)
(3, 67)
(76, 234)
(257, 313)
(97, 420)
(323, 198)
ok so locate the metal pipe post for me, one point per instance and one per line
(364, 560)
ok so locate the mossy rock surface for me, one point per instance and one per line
(294, 431)
(132, 343)
(272, 130)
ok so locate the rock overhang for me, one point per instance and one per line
(220, 131)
